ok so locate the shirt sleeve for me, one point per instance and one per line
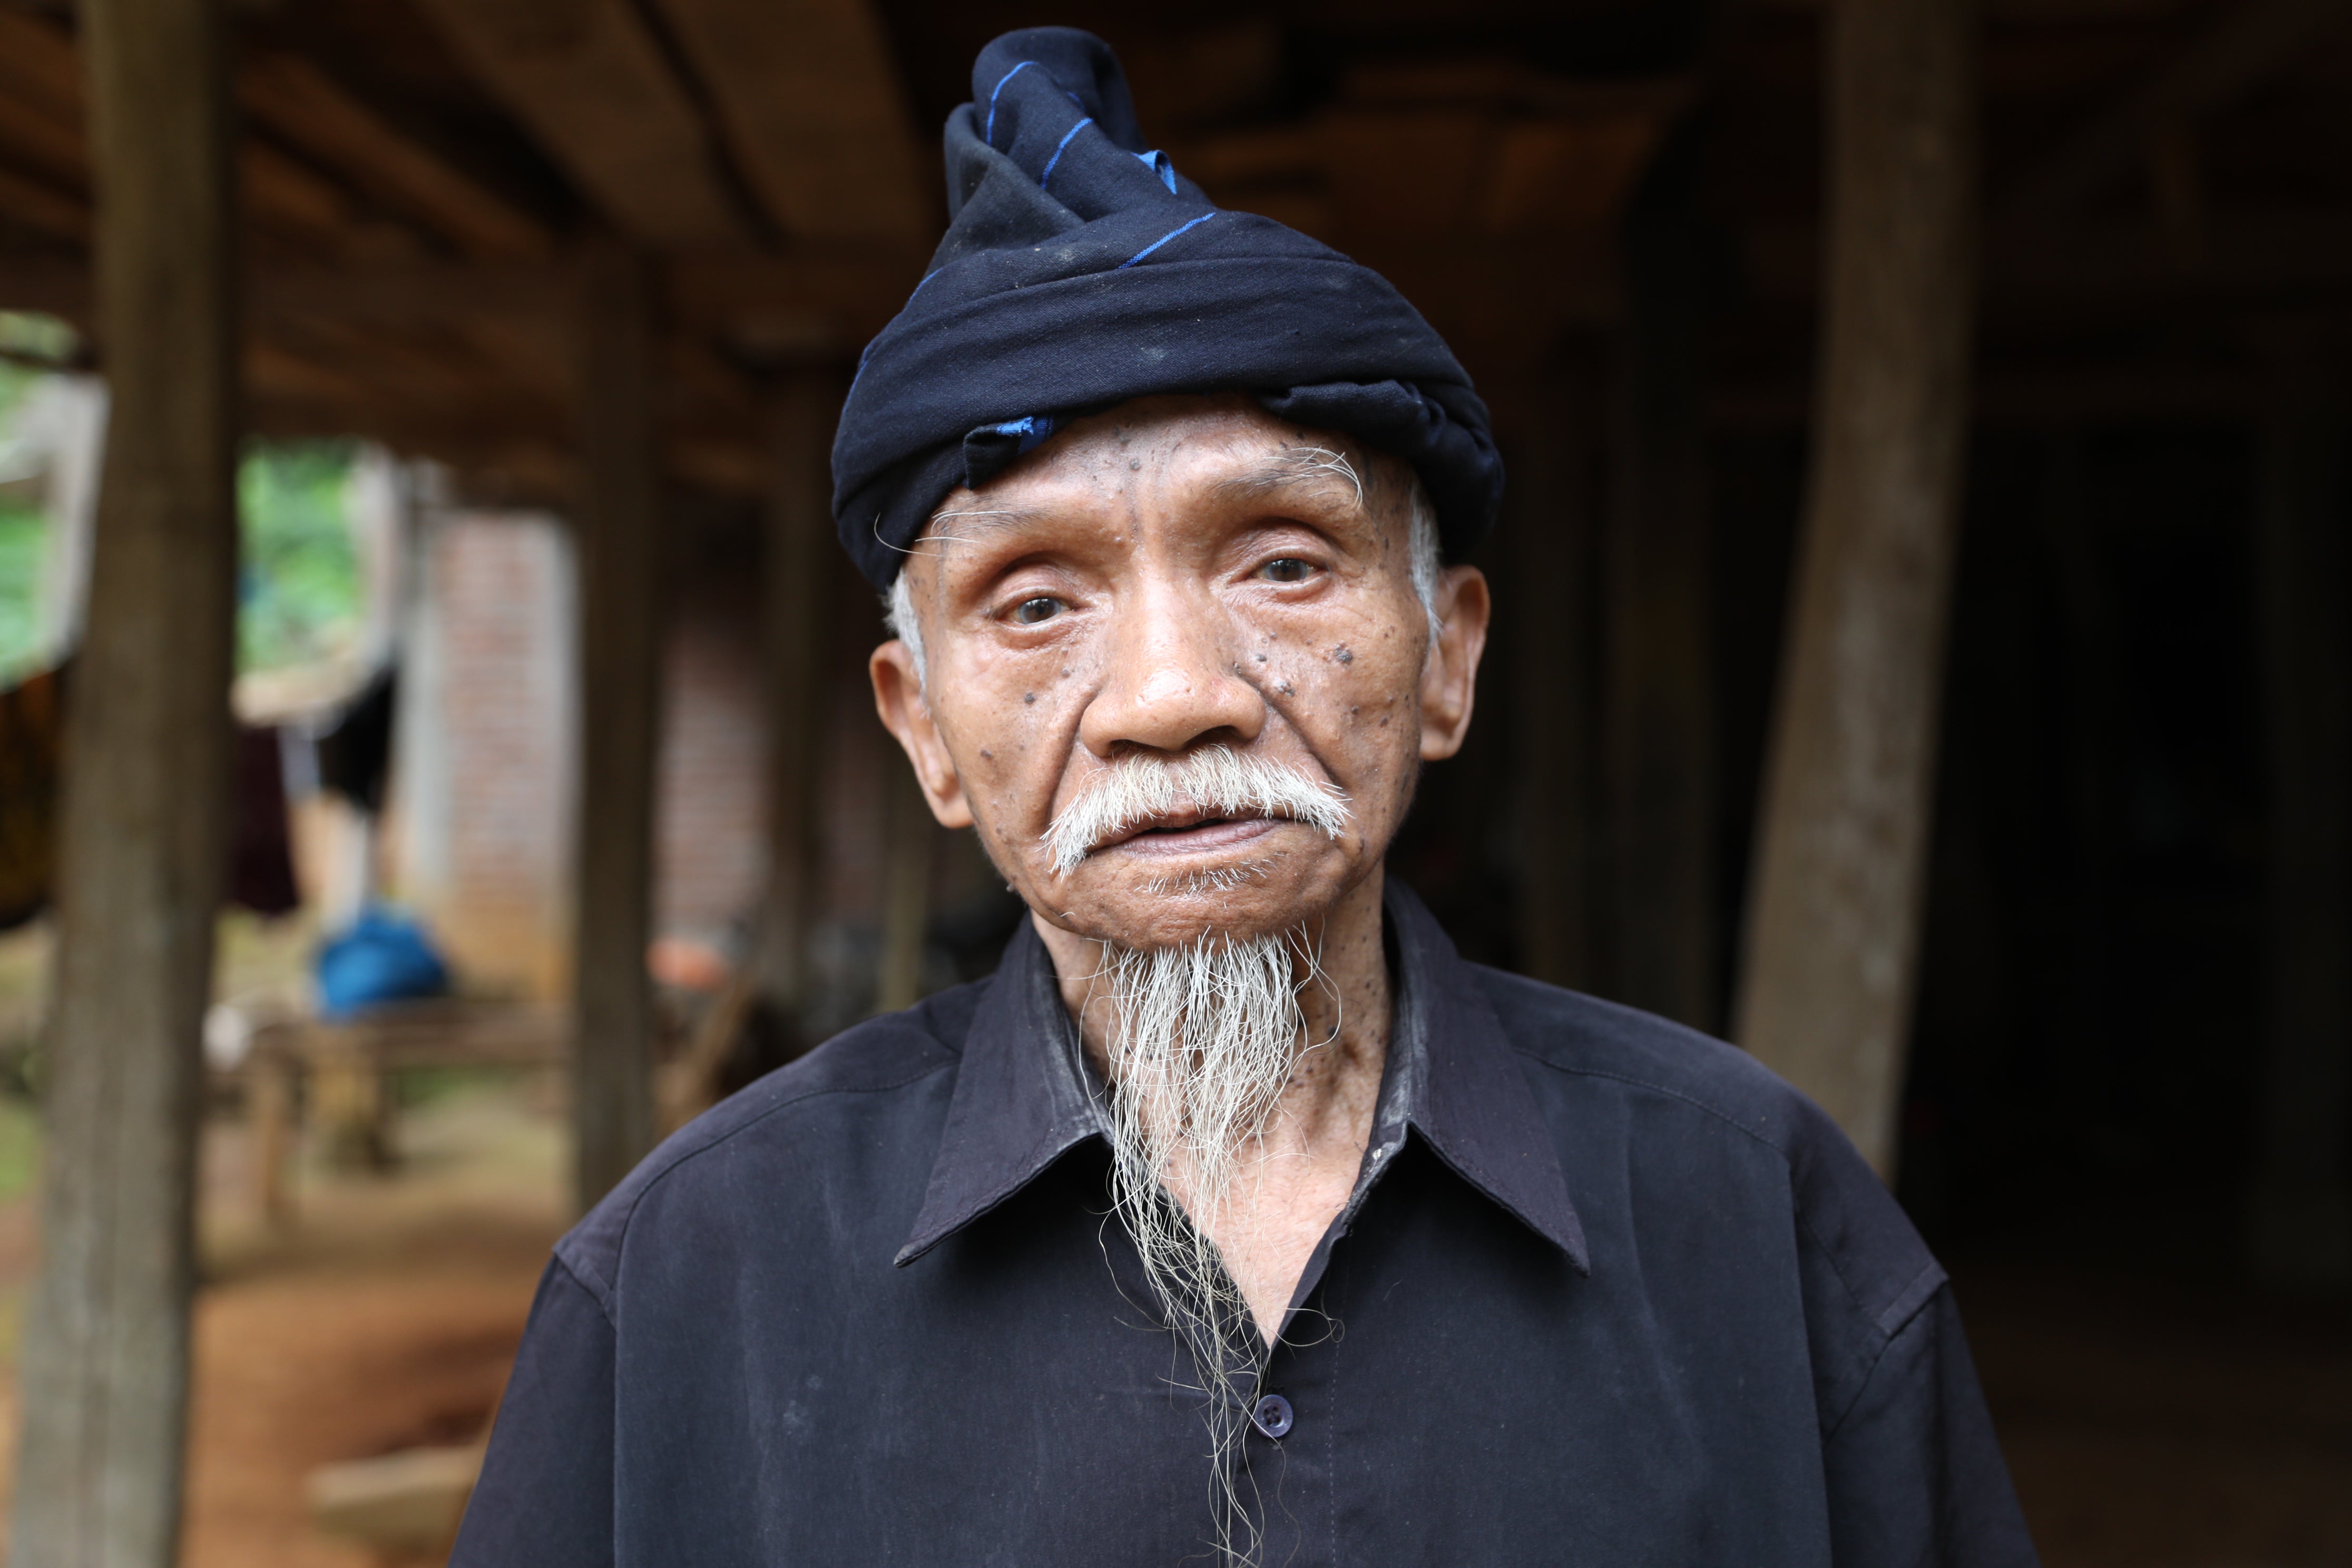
(1916, 1476)
(545, 1496)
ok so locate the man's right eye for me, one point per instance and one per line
(1029, 612)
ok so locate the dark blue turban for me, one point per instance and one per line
(1080, 269)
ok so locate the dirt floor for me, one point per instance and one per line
(2172, 1420)
(385, 1319)
(2149, 1424)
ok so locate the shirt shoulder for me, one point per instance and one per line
(1866, 1271)
(865, 1072)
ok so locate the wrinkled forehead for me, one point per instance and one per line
(1175, 451)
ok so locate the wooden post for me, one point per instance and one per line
(1549, 611)
(2299, 1223)
(1660, 715)
(105, 1354)
(793, 622)
(621, 598)
(1834, 904)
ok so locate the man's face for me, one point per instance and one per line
(1175, 575)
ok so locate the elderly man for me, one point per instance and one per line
(1236, 1218)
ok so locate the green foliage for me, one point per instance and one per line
(300, 593)
(25, 341)
(20, 1145)
(21, 535)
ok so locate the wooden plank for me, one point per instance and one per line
(35, 138)
(2247, 43)
(288, 200)
(39, 63)
(620, 642)
(298, 100)
(43, 207)
(591, 83)
(1831, 933)
(816, 112)
(40, 68)
(105, 1355)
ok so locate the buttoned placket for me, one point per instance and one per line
(1027, 1107)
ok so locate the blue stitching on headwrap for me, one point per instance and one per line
(1162, 240)
(988, 135)
(1157, 161)
(1047, 178)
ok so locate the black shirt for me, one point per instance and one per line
(1606, 1293)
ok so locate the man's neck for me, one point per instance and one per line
(1300, 1173)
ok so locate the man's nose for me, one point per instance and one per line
(1170, 679)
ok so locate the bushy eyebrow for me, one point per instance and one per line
(983, 519)
(1291, 468)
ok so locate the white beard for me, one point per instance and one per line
(1204, 1040)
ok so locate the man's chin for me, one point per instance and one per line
(1172, 906)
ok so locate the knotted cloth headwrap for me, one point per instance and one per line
(1080, 269)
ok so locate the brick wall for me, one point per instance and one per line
(483, 777)
(713, 822)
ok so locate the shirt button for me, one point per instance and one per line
(1272, 1416)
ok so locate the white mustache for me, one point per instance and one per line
(1216, 780)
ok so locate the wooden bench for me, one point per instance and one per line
(349, 1065)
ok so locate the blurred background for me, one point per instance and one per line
(544, 658)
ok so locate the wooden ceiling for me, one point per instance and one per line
(420, 178)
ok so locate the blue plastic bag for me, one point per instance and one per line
(386, 956)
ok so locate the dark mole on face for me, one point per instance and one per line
(1344, 654)
(1286, 690)
(1028, 696)
(1261, 658)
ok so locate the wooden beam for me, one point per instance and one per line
(1832, 934)
(38, 206)
(35, 138)
(620, 643)
(295, 98)
(817, 113)
(588, 80)
(286, 198)
(105, 1357)
(2071, 270)
(39, 63)
(2248, 43)
(40, 79)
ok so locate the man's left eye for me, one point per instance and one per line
(1286, 570)
(1029, 612)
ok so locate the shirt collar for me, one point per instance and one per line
(1024, 1095)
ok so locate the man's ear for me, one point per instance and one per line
(1449, 675)
(898, 697)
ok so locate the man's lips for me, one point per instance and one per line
(1191, 835)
